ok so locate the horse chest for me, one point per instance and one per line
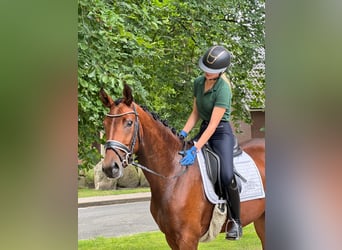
(163, 211)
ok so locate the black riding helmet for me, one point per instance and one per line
(215, 60)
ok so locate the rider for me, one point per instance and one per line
(212, 104)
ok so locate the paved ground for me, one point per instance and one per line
(114, 215)
(115, 220)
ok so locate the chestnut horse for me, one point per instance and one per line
(178, 202)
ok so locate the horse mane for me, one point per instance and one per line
(157, 118)
(154, 115)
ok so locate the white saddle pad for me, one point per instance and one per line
(244, 164)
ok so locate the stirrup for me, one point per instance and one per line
(235, 231)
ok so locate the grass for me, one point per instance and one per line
(156, 241)
(86, 192)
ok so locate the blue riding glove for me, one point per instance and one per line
(182, 135)
(190, 156)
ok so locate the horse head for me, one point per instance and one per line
(121, 126)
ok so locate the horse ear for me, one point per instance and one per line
(105, 98)
(127, 93)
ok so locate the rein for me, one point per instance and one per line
(116, 145)
(160, 175)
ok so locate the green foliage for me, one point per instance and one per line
(154, 46)
(89, 175)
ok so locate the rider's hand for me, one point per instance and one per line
(182, 135)
(190, 156)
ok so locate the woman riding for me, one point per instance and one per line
(212, 104)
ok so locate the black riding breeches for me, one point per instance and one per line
(222, 142)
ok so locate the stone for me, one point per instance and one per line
(82, 182)
(130, 178)
(142, 179)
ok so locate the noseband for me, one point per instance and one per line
(116, 145)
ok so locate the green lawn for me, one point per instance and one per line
(156, 241)
(87, 192)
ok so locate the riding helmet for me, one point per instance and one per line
(215, 60)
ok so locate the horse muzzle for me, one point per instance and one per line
(112, 170)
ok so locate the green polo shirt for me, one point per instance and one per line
(219, 95)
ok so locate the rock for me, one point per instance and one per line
(81, 172)
(142, 179)
(82, 182)
(130, 178)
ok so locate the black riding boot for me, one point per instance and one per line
(235, 231)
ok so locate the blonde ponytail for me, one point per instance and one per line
(226, 79)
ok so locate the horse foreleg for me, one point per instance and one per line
(182, 242)
(259, 226)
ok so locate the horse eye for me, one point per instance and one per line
(129, 123)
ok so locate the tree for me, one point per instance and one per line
(154, 46)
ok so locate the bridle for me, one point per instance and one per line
(116, 145)
(128, 159)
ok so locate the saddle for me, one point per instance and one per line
(213, 165)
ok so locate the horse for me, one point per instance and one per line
(178, 203)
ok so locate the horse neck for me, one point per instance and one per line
(158, 147)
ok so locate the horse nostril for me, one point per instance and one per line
(103, 169)
(116, 166)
